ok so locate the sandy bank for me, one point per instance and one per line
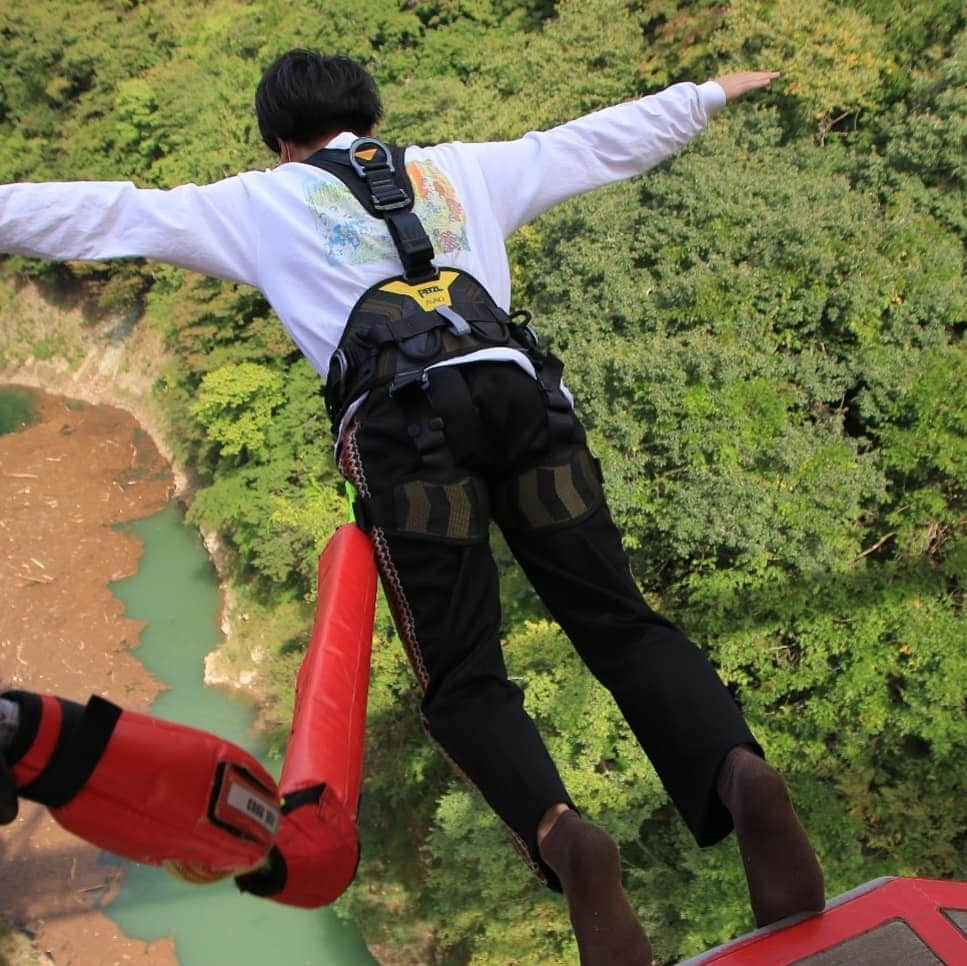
(64, 483)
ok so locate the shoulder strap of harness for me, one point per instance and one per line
(376, 175)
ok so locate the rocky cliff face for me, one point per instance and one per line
(55, 337)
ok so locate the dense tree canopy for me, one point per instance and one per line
(764, 337)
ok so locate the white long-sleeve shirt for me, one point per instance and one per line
(296, 233)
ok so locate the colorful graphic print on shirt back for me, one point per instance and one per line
(351, 237)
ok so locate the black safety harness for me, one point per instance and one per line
(406, 323)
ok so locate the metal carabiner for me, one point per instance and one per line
(340, 363)
(360, 167)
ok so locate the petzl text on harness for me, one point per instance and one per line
(408, 322)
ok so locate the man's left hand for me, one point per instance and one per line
(735, 85)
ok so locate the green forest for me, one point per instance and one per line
(764, 336)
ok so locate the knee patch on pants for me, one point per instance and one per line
(455, 511)
(565, 489)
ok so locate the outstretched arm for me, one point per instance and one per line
(527, 176)
(207, 229)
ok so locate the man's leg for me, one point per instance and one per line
(445, 604)
(551, 507)
(427, 518)
(681, 713)
(781, 869)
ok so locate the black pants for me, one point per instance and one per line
(431, 468)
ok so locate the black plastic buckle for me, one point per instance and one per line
(383, 200)
(388, 196)
(409, 378)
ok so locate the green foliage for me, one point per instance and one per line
(765, 340)
(277, 498)
(832, 59)
(235, 405)
(919, 32)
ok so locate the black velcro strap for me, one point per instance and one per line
(303, 796)
(486, 322)
(560, 417)
(83, 737)
(271, 879)
(406, 328)
(31, 709)
(268, 881)
(413, 245)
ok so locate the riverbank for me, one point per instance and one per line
(118, 464)
(57, 340)
(65, 482)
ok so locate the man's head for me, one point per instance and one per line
(304, 96)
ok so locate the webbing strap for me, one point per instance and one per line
(425, 428)
(31, 708)
(267, 880)
(303, 796)
(560, 424)
(380, 333)
(80, 746)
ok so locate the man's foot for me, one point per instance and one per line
(781, 868)
(586, 861)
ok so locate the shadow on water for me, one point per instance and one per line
(176, 593)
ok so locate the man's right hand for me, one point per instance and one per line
(735, 85)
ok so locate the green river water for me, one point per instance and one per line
(16, 409)
(176, 592)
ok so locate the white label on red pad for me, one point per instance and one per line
(253, 806)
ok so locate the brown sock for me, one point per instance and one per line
(781, 868)
(586, 861)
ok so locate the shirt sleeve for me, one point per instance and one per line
(208, 229)
(527, 176)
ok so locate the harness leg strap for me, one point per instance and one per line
(144, 788)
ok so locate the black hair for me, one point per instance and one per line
(304, 95)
